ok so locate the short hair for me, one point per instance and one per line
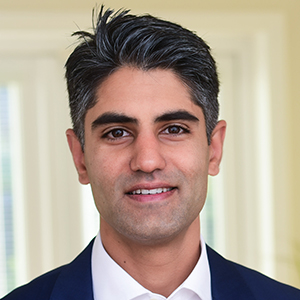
(145, 42)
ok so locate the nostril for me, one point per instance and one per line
(147, 165)
(147, 158)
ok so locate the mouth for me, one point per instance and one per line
(150, 191)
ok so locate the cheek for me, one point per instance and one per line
(192, 160)
(105, 170)
(102, 173)
(194, 167)
(103, 176)
(103, 162)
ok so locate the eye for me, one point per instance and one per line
(116, 133)
(175, 130)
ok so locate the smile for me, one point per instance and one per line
(150, 192)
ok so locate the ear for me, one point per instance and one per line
(78, 156)
(216, 148)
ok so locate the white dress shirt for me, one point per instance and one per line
(111, 282)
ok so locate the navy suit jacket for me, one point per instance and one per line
(229, 281)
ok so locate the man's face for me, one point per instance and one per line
(146, 155)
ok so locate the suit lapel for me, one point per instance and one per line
(75, 281)
(226, 282)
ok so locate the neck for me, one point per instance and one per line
(160, 268)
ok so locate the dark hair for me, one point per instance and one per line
(145, 42)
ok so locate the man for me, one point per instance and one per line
(143, 99)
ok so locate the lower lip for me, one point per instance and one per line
(151, 197)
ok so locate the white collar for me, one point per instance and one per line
(112, 282)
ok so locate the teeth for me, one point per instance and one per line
(151, 192)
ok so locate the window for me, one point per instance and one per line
(10, 184)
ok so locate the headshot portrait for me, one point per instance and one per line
(149, 152)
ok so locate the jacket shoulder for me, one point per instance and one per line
(39, 288)
(235, 281)
(71, 281)
(265, 287)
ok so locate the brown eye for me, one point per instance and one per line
(175, 130)
(116, 133)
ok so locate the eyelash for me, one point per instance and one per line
(182, 129)
(107, 134)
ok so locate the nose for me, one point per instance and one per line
(147, 155)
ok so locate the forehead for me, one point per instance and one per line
(139, 93)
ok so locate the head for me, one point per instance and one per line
(143, 97)
(146, 43)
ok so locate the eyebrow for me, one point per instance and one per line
(176, 115)
(112, 117)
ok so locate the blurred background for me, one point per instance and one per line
(252, 214)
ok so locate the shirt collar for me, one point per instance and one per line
(112, 282)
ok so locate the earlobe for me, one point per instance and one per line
(78, 156)
(216, 148)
